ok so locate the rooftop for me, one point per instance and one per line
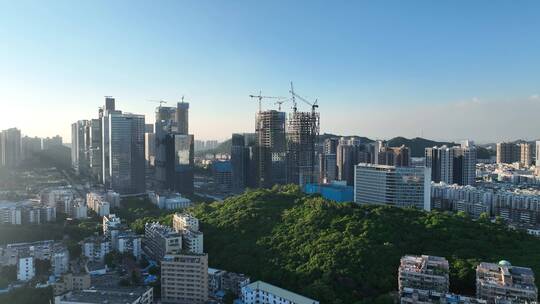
(212, 271)
(163, 230)
(504, 274)
(427, 264)
(183, 253)
(280, 292)
(105, 295)
(222, 166)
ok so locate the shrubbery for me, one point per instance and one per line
(345, 253)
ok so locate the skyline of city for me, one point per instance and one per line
(394, 61)
(476, 105)
(269, 152)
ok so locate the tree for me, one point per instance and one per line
(143, 263)
(135, 278)
(154, 270)
(484, 217)
(42, 267)
(343, 252)
(229, 297)
(111, 259)
(9, 273)
(74, 249)
(4, 282)
(462, 214)
(27, 295)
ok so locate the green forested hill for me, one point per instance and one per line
(343, 253)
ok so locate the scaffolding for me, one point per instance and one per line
(302, 135)
(271, 148)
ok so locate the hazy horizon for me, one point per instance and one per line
(442, 71)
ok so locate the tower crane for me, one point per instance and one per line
(161, 101)
(294, 95)
(279, 103)
(260, 97)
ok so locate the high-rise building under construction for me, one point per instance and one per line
(271, 148)
(302, 134)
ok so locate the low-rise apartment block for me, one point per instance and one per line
(26, 268)
(101, 203)
(504, 282)
(225, 281)
(110, 222)
(192, 241)
(26, 212)
(417, 296)
(263, 293)
(70, 281)
(185, 221)
(60, 260)
(423, 272)
(169, 201)
(95, 248)
(41, 250)
(129, 242)
(126, 295)
(160, 240)
(55, 252)
(188, 226)
(520, 207)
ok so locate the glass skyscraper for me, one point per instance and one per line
(126, 163)
(174, 149)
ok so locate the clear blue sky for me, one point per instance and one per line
(441, 69)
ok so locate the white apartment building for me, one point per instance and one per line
(10, 215)
(97, 202)
(60, 260)
(394, 186)
(193, 241)
(260, 292)
(79, 210)
(185, 221)
(128, 242)
(95, 248)
(518, 206)
(169, 201)
(160, 240)
(188, 226)
(26, 212)
(110, 221)
(25, 268)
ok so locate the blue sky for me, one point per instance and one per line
(438, 69)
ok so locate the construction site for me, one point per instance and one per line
(286, 147)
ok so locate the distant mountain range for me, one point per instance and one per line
(416, 145)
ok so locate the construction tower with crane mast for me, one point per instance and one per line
(302, 136)
(271, 148)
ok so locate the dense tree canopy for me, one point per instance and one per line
(27, 295)
(75, 230)
(345, 253)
